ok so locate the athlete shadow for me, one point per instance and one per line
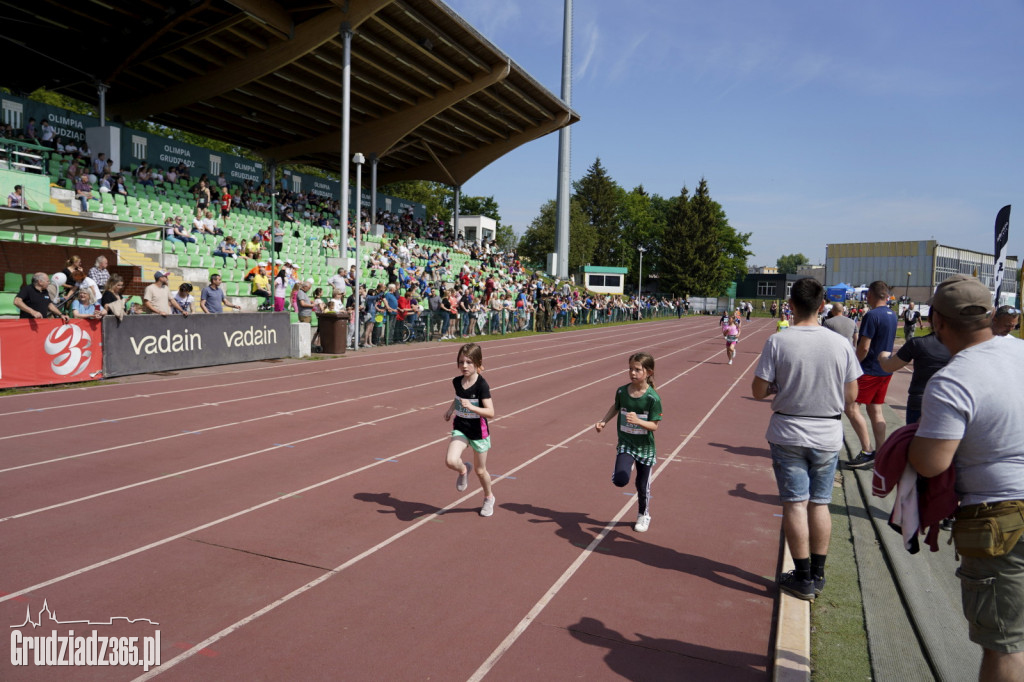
(741, 491)
(403, 511)
(656, 658)
(745, 451)
(570, 526)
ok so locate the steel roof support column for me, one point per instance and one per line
(373, 191)
(346, 99)
(457, 194)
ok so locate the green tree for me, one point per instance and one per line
(485, 206)
(437, 197)
(506, 238)
(643, 224)
(600, 198)
(790, 263)
(702, 253)
(539, 239)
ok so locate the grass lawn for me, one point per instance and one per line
(839, 645)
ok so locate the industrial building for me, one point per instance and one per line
(914, 267)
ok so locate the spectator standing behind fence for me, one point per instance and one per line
(185, 300)
(83, 281)
(112, 301)
(16, 199)
(85, 308)
(813, 375)
(302, 303)
(33, 300)
(971, 419)
(213, 299)
(877, 334)
(157, 296)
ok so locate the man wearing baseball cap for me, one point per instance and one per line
(157, 297)
(971, 418)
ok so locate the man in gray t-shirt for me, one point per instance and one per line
(302, 302)
(838, 322)
(971, 419)
(813, 374)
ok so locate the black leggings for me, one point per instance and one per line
(623, 467)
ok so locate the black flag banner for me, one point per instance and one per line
(1002, 237)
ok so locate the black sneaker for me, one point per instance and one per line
(801, 589)
(946, 524)
(819, 585)
(865, 460)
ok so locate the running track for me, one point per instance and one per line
(295, 520)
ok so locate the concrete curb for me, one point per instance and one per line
(792, 633)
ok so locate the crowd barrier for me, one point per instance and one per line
(45, 352)
(140, 344)
(429, 326)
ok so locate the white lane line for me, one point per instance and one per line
(532, 614)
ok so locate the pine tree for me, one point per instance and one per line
(600, 199)
(702, 252)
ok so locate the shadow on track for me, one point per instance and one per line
(652, 658)
(404, 511)
(630, 546)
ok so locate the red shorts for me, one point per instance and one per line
(871, 389)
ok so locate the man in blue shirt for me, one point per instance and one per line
(877, 334)
(212, 300)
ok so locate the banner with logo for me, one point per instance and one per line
(141, 344)
(45, 352)
(1002, 237)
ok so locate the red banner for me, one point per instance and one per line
(42, 352)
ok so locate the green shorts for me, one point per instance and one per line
(482, 445)
(992, 591)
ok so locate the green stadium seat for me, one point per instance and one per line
(13, 281)
(7, 306)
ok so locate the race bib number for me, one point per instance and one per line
(634, 429)
(462, 412)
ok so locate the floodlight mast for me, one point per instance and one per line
(564, 154)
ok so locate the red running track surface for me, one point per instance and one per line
(295, 520)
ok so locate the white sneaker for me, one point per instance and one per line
(488, 508)
(730, 361)
(643, 522)
(462, 482)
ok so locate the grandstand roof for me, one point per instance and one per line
(430, 95)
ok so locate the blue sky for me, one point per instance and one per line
(813, 122)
